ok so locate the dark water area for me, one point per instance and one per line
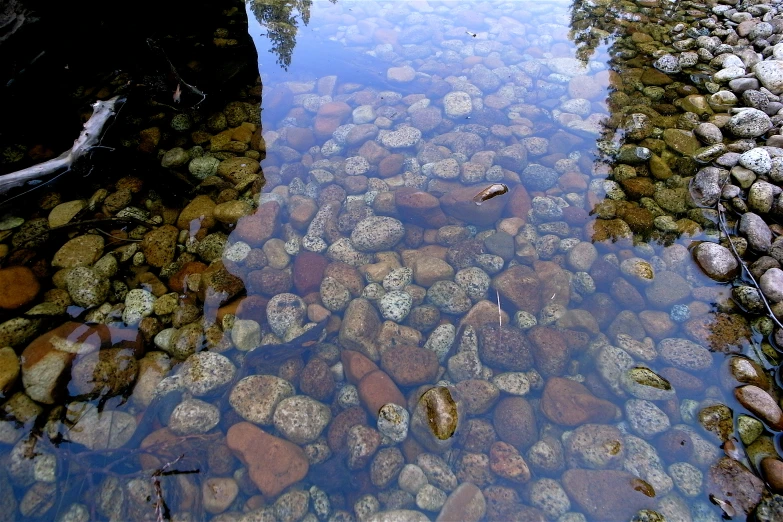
(391, 261)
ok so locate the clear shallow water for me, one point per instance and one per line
(538, 113)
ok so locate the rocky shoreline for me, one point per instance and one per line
(588, 346)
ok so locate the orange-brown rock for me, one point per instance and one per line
(519, 202)
(419, 207)
(458, 203)
(356, 365)
(376, 389)
(410, 365)
(259, 226)
(515, 422)
(337, 435)
(273, 463)
(330, 116)
(18, 286)
(218, 285)
(197, 214)
(550, 350)
(178, 282)
(159, 245)
(570, 403)
(520, 285)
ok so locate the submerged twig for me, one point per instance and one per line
(88, 139)
(162, 511)
(745, 269)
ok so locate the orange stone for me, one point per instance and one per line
(377, 389)
(273, 463)
(356, 365)
(18, 286)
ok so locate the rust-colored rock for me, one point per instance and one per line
(550, 350)
(520, 285)
(360, 327)
(337, 435)
(515, 422)
(608, 494)
(273, 463)
(459, 204)
(159, 245)
(330, 116)
(309, 272)
(197, 214)
(570, 403)
(178, 282)
(356, 365)
(519, 202)
(376, 389)
(260, 226)
(419, 207)
(410, 365)
(218, 285)
(18, 287)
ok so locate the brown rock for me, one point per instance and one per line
(178, 282)
(419, 207)
(519, 202)
(570, 403)
(317, 380)
(477, 395)
(356, 365)
(391, 165)
(273, 463)
(410, 365)
(505, 347)
(260, 226)
(330, 116)
(159, 245)
(347, 275)
(515, 422)
(376, 389)
(301, 211)
(520, 285)
(300, 138)
(550, 350)
(459, 204)
(772, 469)
(729, 480)
(761, 404)
(466, 503)
(337, 434)
(360, 327)
(608, 494)
(309, 272)
(675, 445)
(555, 282)
(218, 285)
(237, 169)
(199, 210)
(658, 325)
(18, 287)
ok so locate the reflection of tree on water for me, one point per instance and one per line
(279, 17)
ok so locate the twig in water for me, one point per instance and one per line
(162, 511)
(745, 269)
(500, 317)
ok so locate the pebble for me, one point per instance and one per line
(301, 419)
(192, 417)
(645, 418)
(255, 397)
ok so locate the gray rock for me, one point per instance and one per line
(771, 284)
(753, 227)
(667, 64)
(395, 305)
(86, 287)
(449, 297)
(539, 178)
(377, 233)
(193, 416)
(401, 138)
(256, 397)
(205, 373)
(761, 196)
(101, 430)
(139, 304)
(685, 354)
(687, 478)
(301, 419)
(757, 160)
(284, 312)
(708, 133)
(749, 123)
(457, 104)
(549, 496)
(645, 418)
(770, 74)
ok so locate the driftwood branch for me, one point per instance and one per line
(88, 139)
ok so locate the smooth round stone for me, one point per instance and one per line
(356, 166)
(771, 284)
(377, 233)
(668, 64)
(717, 261)
(457, 104)
(687, 478)
(398, 279)
(513, 383)
(474, 281)
(441, 340)
(750, 123)
(395, 305)
(449, 297)
(401, 138)
(638, 269)
(761, 196)
(301, 419)
(684, 354)
(139, 304)
(285, 311)
(643, 383)
(757, 160)
(86, 288)
(246, 334)
(203, 167)
(411, 479)
(204, 373)
(193, 416)
(430, 498)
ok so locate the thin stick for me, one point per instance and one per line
(500, 317)
(745, 269)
